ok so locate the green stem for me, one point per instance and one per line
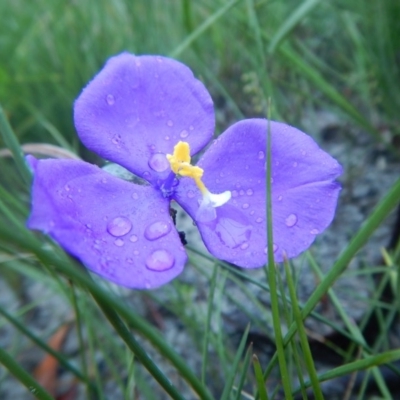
(26, 379)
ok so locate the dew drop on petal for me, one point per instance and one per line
(110, 99)
(190, 194)
(129, 260)
(160, 260)
(249, 192)
(244, 246)
(67, 188)
(170, 123)
(146, 175)
(295, 164)
(133, 238)
(245, 205)
(235, 193)
(314, 231)
(119, 226)
(191, 127)
(157, 230)
(261, 155)
(259, 220)
(158, 162)
(136, 252)
(135, 196)
(241, 192)
(119, 242)
(184, 134)
(280, 198)
(291, 220)
(166, 137)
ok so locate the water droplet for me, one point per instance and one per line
(295, 164)
(67, 188)
(110, 99)
(89, 226)
(119, 226)
(135, 196)
(133, 238)
(184, 134)
(166, 137)
(280, 198)
(241, 192)
(146, 174)
(119, 242)
(170, 123)
(235, 193)
(259, 220)
(261, 155)
(191, 127)
(158, 162)
(157, 230)
(249, 192)
(104, 180)
(245, 205)
(244, 246)
(252, 212)
(160, 260)
(136, 252)
(129, 260)
(233, 232)
(314, 231)
(190, 194)
(291, 220)
(116, 139)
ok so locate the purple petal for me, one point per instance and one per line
(304, 194)
(119, 230)
(136, 109)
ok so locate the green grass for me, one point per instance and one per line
(283, 58)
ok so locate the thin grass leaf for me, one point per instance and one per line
(208, 323)
(24, 377)
(11, 141)
(308, 359)
(234, 367)
(291, 22)
(261, 389)
(271, 276)
(43, 345)
(359, 365)
(202, 28)
(243, 374)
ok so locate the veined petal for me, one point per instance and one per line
(304, 194)
(119, 230)
(136, 109)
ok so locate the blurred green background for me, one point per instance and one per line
(341, 55)
(290, 59)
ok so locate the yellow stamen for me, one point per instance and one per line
(180, 164)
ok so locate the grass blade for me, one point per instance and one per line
(231, 377)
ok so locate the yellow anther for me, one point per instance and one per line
(180, 164)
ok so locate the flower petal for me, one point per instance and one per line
(119, 230)
(136, 109)
(304, 194)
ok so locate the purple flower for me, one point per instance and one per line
(149, 114)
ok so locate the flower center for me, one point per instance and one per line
(180, 165)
